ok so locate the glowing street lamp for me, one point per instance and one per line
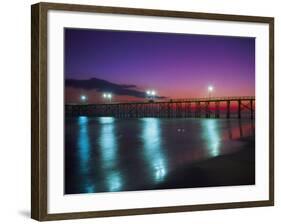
(83, 98)
(107, 96)
(151, 93)
(210, 90)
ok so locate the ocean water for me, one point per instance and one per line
(107, 154)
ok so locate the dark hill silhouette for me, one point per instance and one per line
(101, 85)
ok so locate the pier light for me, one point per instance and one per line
(107, 96)
(83, 98)
(150, 93)
(210, 90)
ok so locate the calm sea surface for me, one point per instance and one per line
(108, 154)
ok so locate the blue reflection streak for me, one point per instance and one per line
(212, 136)
(114, 181)
(83, 143)
(152, 143)
(84, 150)
(109, 153)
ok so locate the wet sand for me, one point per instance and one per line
(226, 170)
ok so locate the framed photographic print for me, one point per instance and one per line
(139, 111)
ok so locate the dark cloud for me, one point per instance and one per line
(101, 85)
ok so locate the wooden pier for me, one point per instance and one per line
(215, 107)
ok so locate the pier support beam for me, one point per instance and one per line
(178, 109)
(207, 110)
(239, 109)
(217, 109)
(188, 109)
(169, 110)
(228, 109)
(198, 109)
(252, 109)
(185, 109)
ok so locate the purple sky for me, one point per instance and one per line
(175, 65)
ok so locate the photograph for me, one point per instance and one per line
(157, 111)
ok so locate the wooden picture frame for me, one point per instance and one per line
(39, 106)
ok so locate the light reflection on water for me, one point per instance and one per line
(108, 154)
(211, 136)
(83, 143)
(153, 148)
(108, 148)
(84, 150)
